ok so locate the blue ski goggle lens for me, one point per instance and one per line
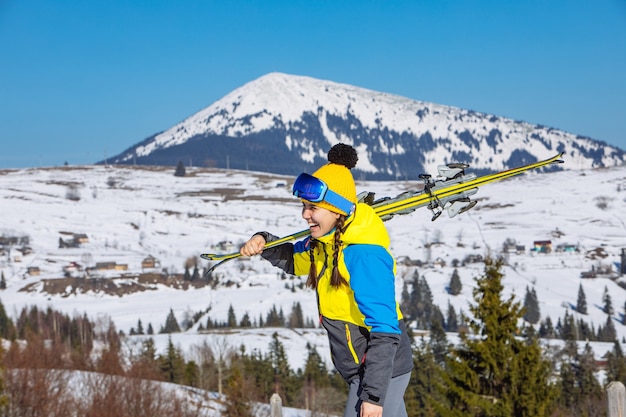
(312, 189)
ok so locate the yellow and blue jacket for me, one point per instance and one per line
(367, 336)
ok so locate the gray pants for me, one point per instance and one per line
(394, 400)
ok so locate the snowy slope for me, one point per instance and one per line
(302, 116)
(129, 213)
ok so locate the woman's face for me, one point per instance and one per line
(320, 220)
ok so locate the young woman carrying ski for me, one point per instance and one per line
(348, 262)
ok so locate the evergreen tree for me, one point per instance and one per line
(425, 394)
(296, 318)
(616, 364)
(180, 170)
(452, 324)
(236, 403)
(3, 282)
(7, 328)
(607, 304)
(172, 363)
(581, 302)
(287, 386)
(608, 332)
(455, 287)
(274, 318)
(150, 330)
(493, 373)
(546, 329)
(422, 302)
(315, 378)
(187, 275)
(232, 319)
(171, 324)
(245, 321)
(196, 273)
(139, 327)
(531, 307)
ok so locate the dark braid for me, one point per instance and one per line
(311, 281)
(336, 280)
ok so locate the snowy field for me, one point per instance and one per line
(130, 213)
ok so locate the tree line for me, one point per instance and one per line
(498, 367)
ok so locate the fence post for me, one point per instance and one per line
(616, 394)
(276, 405)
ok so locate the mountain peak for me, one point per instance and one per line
(285, 124)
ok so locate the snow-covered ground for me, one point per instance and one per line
(129, 213)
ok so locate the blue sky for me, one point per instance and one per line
(82, 80)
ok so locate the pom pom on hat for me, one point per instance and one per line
(337, 176)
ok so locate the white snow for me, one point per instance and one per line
(129, 213)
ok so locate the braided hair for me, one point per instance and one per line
(345, 155)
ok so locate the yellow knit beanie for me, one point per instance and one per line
(337, 176)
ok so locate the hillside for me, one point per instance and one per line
(125, 214)
(282, 123)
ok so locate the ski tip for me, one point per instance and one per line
(209, 256)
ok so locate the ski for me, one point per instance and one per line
(451, 191)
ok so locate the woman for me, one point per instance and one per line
(348, 262)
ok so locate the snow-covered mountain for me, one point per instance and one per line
(117, 217)
(285, 124)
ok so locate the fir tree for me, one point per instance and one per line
(7, 328)
(455, 287)
(581, 302)
(180, 170)
(150, 330)
(245, 321)
(315, 378)
(287, 386)
(607, 304)
(236, 403)
(616, 364)
(493, 373)
(546, 329)
(172, 363)
(171, 324)
(232, 319)
(196, 273)
(531, 307)
(296, 318)
(3, 282)
(424, 396)
(452, 324)
(139, 327)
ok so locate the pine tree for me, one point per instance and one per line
(492, 372)
(422, 303)
(455, 286)
(7, 328)
(236, 403)
(171, 324)
(616, 364)
(581, 302)
(245, 321)
(139, 327)
(3, 282)
(287, 386)
(607, 304)
(180, 170)
(172, 363)
(296, 318)
(531, 307)
(452, 323)
(424, 396)
(315, 377)
(232, 319)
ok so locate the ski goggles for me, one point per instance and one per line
(310, 188)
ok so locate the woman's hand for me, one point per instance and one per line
(252, 247)
(370, 410)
